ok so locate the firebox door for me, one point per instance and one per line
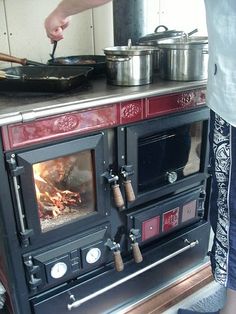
(60, 189)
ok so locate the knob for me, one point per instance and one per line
(115, 248)
(129, 191)
(172, 176)
(138, 258)
(126, 172)
(118, 198)
(112, 179)
(119, 265)
(134, 234)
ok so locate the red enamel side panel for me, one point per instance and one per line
(57, 127)
(175, 102)
(132, 111)
(88, 120)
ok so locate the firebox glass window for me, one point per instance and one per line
(175, 151)
(65, 189)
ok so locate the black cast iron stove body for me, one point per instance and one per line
(96, 203)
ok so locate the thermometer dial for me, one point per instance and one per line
(93, 255)
(58, 270)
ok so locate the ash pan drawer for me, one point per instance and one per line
(172, 258)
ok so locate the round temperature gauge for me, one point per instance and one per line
(58, 270)
(93, 255)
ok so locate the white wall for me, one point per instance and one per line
(4, 47)
(27, 36)
(22, 32)
(103, 27)
(183, 15)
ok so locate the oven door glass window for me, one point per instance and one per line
(168, 156)
(65, 189)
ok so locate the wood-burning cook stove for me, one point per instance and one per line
(92, 210)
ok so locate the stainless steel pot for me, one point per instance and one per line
(160, 32)
(184, 59)
(129, 65)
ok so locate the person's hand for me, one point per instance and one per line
(55, 25)
(59, 19)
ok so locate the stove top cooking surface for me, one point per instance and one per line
(34, 97)
(96, 92)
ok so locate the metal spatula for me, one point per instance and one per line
(53, 50)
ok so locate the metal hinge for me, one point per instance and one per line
(32, 271)
(25, 237)
(201, 202)
(13, 168)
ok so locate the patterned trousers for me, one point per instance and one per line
(223, 200)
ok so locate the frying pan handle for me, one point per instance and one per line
(8, 58)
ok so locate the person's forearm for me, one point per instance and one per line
(59, 18)
(71, 7)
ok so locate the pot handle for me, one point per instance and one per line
(194, 31)
(118, 59)
(160, 26)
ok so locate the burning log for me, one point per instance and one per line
(59, 184)
(53, 202)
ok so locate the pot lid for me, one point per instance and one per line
(158, 34)
(129, 50)
(184, 42)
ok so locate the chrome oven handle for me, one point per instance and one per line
(77, 303)
(19, 207)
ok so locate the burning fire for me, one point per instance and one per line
(52, 201)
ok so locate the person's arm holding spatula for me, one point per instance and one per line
(59, 18)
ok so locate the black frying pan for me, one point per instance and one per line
(98, 63)
(44, 78)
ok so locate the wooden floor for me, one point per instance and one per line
(177, 292)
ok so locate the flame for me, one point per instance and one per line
(52, 201)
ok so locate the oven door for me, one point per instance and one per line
(60, 189)
(164, 155)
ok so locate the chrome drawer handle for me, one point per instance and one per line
(77, 303)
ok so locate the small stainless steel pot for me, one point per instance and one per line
(129, 65)
(184, 59)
